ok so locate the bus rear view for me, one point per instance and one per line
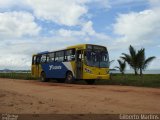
(80, 62)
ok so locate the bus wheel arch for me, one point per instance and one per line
(69, 77)
(43, 77)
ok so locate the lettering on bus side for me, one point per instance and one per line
(52, 67)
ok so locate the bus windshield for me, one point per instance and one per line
(97, 58)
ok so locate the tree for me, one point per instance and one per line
(132, 59)
(143, 62)
(122, 66)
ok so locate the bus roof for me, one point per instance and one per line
(82, 46)
(78, 46)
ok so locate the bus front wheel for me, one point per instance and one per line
(43, 77)
(90, 82)
(69, 78)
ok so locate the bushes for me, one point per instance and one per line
(25, 76)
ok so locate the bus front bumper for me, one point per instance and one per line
(98, 77)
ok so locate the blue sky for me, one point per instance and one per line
(31, 26)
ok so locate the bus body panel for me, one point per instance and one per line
(90, 72)
(97, 77)
(57, 69)
(36, 70)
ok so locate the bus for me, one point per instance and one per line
(87, 62)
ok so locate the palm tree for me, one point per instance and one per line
(122, 66)
(132, 59)
(143, 62)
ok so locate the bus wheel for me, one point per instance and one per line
(90, 82)
(69, 78)
(43, 77)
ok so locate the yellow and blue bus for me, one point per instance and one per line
(85, 61)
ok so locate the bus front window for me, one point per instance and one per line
(97, 59)
(91, 58)
(104, 59)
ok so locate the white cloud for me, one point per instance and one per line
(10, 5)
(88, 28)
(17, 24)
(155, 63)
(17, 54)
(20, 51)
(85, 33)
(154, 3)
(15, 62)
(138, 28)
(63, 12)
(7, 3)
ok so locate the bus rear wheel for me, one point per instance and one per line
(69, 78)
(90, 82)
(43, 77)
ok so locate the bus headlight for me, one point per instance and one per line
(87, 70)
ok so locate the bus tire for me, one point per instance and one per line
(90, 82)
(43, 77)
(69, 78)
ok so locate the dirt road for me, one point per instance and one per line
(22, 96)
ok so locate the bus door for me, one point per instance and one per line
(79, 64)
(36, 65)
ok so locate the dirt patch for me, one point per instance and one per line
(121, 90)
(21, 96)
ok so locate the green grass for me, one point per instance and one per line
(25, 76)
(147, 80)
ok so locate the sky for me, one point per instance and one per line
(32, 26)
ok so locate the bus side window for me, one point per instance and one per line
(43, 59)
(69, 55)
(51, 57)
(47, 58)
(59, 56)
(73, 56)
